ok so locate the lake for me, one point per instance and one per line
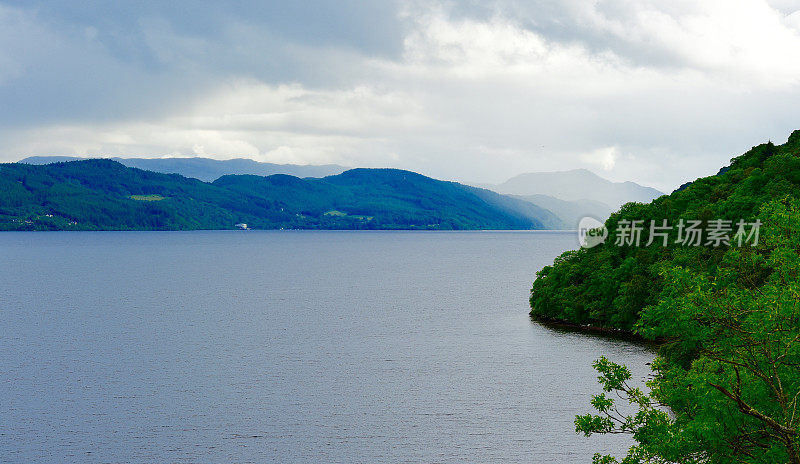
(290, 346)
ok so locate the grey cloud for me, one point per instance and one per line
(370, 27)
(476, 91)
(91, 61)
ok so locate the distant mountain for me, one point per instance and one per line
(400, 198)
(570, 212)
(102, 194)
(578, 184)
(207, 169)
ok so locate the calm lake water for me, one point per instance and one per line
(293, 346)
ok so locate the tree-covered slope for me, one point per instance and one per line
(105, 195)
(97, 195)
(726, 382)
(394, 198)
(609, 285)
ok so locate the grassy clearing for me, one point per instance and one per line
(146, 197)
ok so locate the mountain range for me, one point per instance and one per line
(270, 196)
(577, 185)
(574, 194)
(102, 194)
(207, 169)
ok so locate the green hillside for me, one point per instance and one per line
(609, 285)
(101, 194)
(394, 199)
(726, 382)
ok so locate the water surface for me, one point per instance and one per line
(289, 347)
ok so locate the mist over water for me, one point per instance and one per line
(290, 346)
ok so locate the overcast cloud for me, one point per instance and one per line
(659, 92)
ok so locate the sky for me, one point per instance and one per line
(657, 92)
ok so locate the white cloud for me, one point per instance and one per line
(245, 118)
(605, 158)
(748, 41)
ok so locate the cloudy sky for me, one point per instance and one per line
(658, 92)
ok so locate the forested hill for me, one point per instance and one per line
(101, 194)
(610, 285)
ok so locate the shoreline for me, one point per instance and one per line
(564, 326)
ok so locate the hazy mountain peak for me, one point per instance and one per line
(575, 185)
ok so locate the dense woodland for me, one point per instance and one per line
(726, 380)
(101, 194)
(609, 285)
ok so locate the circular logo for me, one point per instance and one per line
(591, 232)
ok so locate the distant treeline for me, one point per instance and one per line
(101, 194)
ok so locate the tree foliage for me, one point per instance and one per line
(610, 285)
(727, 381)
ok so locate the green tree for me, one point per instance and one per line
(727, 381)
(611, 285)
